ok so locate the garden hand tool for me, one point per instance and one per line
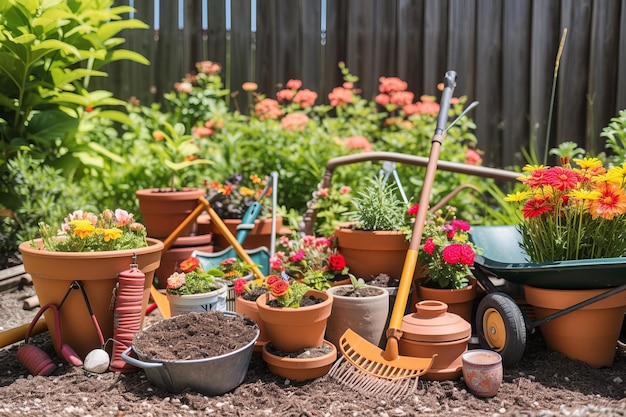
(363, 366)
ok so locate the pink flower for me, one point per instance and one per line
(285, 95)
(294, 84)
(305, 98)
(239, 285)
(358, 142)
(123, 217)
(176, 280)
(276, 262)
(344, 189)
(390, 84)
(340, 96)
(298, 256)
(472, 157)
(460, 225)
(323, 192)
(294, 121)
(413, 209)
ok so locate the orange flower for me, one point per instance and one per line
(612, 202)
(190, 264)
(279, 288)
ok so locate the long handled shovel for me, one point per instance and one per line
(363, 366)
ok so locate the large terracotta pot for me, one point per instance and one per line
(292, 329)
(250, 310)
(300, 369)
(259, 236)
(459, 301)
(368, 254)
(588, 334)
(163, 209)
(365, 315)
(53, 273)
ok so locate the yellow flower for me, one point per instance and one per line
(531, 168)
(584, 195)
(82, 228)
(588, 163)
(112, 234)
(517, 197)
(245, 191)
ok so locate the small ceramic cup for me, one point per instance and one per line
(482, 372)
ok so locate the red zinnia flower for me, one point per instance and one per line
(562, 179)
(429, 246)
(413, 209)
(239, 285)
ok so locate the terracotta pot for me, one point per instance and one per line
(53, 273)
(365, 315)
(482, 372)
(430, 331)
(182, 249)
(368, 254)
(203, 302)
(300, 369)
(259, 236)
(588, 334)
(459, 301)
(250, 310)
(163, 209)
(292, 329)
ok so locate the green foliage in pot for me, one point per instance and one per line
(378, 207)
(193, 279)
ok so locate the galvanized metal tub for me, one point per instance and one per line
(211, 376)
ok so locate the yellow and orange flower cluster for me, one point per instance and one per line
(572, 211)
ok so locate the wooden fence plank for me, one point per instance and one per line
(602, 66)
(488, 114)
(410, 17)
(215, 44)
(515, 61)
(545, 38)
(574, 74)
(435, 44)
(621, 48)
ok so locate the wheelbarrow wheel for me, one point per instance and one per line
(501, 327)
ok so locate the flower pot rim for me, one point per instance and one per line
(322, 294)
(332, 290)
(25, 247)
(302, 363)
(224, 287)
(467, 357)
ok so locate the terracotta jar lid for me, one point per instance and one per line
(432, 323)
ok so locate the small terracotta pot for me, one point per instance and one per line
(292, 329)
(459, 301)
(300, 369)
(482, 372)
(250, 310)
(430, 331)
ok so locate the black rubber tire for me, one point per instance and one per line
(501, 327)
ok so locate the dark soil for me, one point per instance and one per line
(310, 352)
(359, 292)
(542, 384)
(195, 336)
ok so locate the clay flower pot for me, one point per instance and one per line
(260, 235)
(366, 315)
(368, 253)
(588, 334)
(302, 367)
(292, 329)
(482, 372)
(430, 331)
(459, 301)
(250, 310)
(163, 209)
(53, 273)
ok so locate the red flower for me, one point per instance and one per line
(239, 285)
(458, 253)
(536, 207)
(336, 262)
(413, 209)
(271, 279)
(429, 246)
(562, 179)
(279, 288)
(189, 264)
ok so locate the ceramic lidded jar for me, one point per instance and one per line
(431, 330)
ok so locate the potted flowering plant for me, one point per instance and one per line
(312, 259)
(445, 256)
(234, 269)
(294, 315)
(572, 212)
(93, 248)
(194, 289)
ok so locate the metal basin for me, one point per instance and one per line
(211, 376)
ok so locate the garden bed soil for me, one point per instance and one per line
(543, 383)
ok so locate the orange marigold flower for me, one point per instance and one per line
(267, 109)
(305, 98)
(402, 98)
(189, 264)
(249, 86)
(358, 142)
(112, 234)
(279, 288)
(610, 203)
(158, 135)
(390, 84)
(294, 121)
(285, 95)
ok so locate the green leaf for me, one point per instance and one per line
(108, 30)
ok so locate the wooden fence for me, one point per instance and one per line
(504, 52)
